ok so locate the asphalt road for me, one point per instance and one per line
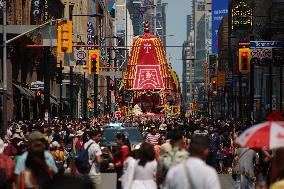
(109, 181)
(227, 181)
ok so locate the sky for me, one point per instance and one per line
(176, 25)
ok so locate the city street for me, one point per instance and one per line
(141, 94)
(227, 181)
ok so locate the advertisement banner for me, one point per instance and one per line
(219, 10)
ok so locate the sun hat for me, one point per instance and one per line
(79, 133)
(36, 135)
(54, 144)
(16, 136)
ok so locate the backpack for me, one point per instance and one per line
(58, 161)
(82, 161)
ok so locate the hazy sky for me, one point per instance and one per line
(176, 25)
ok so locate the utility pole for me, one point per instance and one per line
(60, 90)
(4, 112)
(46, 91)
(252, 90)
(71, 92)
(240, 96)
(96, 83)
(84, 97)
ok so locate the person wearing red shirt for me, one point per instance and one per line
(120, 155)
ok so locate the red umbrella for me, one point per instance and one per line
(269, 135)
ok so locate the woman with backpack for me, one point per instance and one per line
(58, 156)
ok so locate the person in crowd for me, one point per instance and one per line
(36, 167)
(7, 166)
(144, 173)
(157, 147)
(277, 172)
(120, 155)
(129, 167)
(153, 137)
(244, 167)
(265, 160)
(10, 149)
(201, 130)
(220, 158)
(77, 143)
(194, 173)
(214, 145)
(171, 157)
(228, 149)
(95, 157)
(58, 156)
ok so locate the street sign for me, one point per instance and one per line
(265, 44)
(90, 104)
(37, 85)
(118, 114)
(81, 57)
(261, 53)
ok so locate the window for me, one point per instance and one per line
(71, 8)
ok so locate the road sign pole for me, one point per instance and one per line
(46, 65)
(96, 78)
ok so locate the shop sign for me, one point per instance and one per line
(90, 35)
(36, 7)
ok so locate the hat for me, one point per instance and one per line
(16, 135)
(2, 146)
(54, 144)
(36, 135)
(79, 133)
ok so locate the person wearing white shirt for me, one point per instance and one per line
(95, 158)
(197, 173)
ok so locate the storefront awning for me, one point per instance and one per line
(23, 91)
(53, 100)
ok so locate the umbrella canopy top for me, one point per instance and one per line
(268, 135)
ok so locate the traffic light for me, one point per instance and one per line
(94, 61)
(64, 36)
(38, 93)
(214, 85)
(244, 60)
(112, 86)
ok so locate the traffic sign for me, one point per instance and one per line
(81, 57)
(37, 85)
(118, 114)
(266, 44)
(90, 104)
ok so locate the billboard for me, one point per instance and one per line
(219, 10)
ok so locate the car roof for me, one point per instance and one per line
(120, 128)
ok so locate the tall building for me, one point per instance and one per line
(135, 8)
(188, 64)
(152, 11)
(200, 52)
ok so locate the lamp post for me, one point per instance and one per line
(4, 112)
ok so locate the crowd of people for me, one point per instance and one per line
(177, 153)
